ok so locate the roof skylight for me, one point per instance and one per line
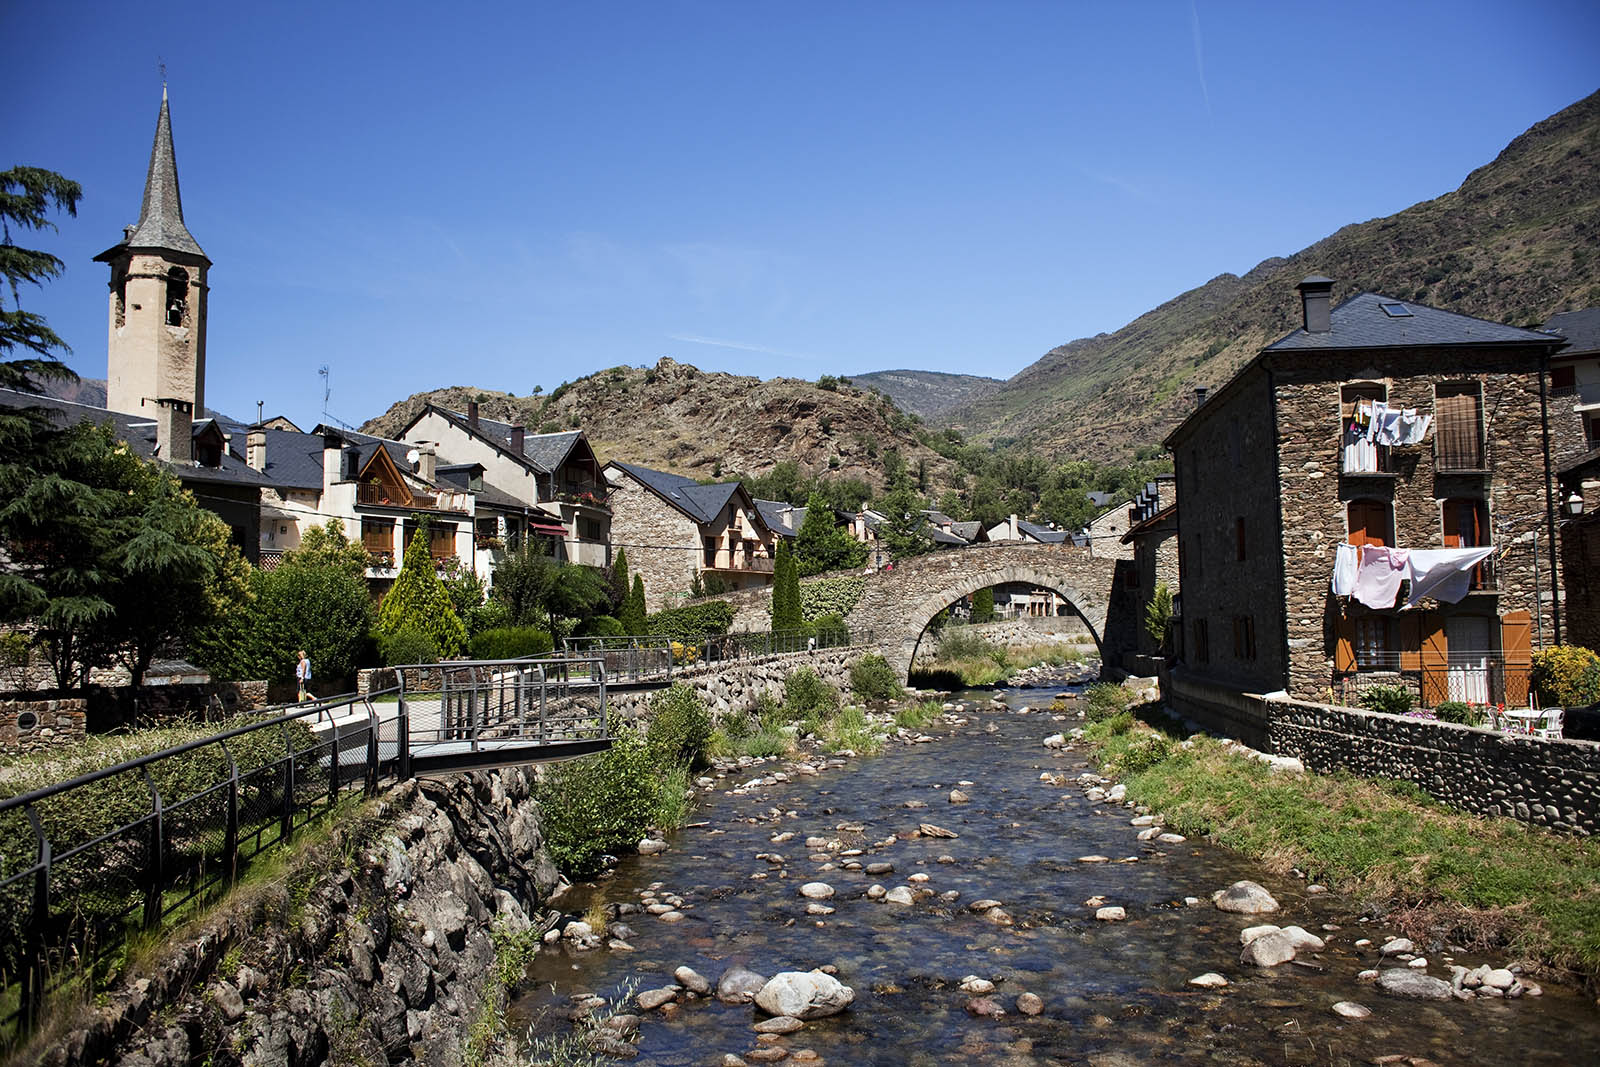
(1396, 310)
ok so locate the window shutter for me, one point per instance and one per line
(1344, 644)
(1516, 645)
(1452, 524)
(1435, 661)
(1457, 439)
(1410, 641)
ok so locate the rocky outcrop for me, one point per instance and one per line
(381, 944)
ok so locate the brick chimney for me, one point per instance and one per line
(175, 431)
(518, 436)
(1316, 299)
(255, 449)
(472, 414)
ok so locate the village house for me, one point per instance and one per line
(554, 478)
(1378, 425)
(679, 533)
(1153, 537)
(1574, 382)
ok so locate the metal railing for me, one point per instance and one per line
(739, 646)
(627, 659)
(1465, 677)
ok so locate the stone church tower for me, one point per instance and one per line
(156, 350)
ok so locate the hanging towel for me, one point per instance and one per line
(1443, 573)
(1386, 431)
(1346, 561)
(1380, 574)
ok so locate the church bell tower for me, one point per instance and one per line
(156, 346)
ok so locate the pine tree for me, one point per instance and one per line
(419, 601)
(822, 544)
(983, 605)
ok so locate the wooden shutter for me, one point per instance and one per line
(1452, 524)
(1369, 522)
(1344, 644)
(1409, 640)
(1435, 655)
(1457, 440)
(1516, 645)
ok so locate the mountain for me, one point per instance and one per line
(90, 391)
(928, 393)
(678, 418)
(1516, 242)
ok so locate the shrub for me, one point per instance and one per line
(600, 804)
(1389, 699)
(511, 642)
(600, 626)
(1458, 712)
(679, 726)
(407, 645)
(830, 631)
(1143, 752)
(1105, 701)
(418, 599)
(871, 678)
(690, 623)
(804, 692)
(1566, 676)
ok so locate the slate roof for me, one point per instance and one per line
(294, 460)
(544, 451)
(1150, 522)
(1042, 533)
(459, 476)
(1580, 328)
(941, 537)
(140, 434)
(700, 502)
(968, 531)
(160, 222)
(775, 512)
(1361, 322)
(1101, 500)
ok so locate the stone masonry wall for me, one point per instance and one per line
(1555, 784)
(662, 543)
(732, 686)
(34, 725)
(1315, 494)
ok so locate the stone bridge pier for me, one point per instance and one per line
(897, 605)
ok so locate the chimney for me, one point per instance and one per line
(1015, 533)
(332, 460)
(255, 449)
(472, 414)
(1199, 395)
(427, 462)
(518, 435)
(1316, 296)
(175, 431)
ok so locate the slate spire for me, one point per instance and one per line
(160, 222)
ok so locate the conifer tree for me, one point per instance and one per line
(419, 601)
(786, 613)
(26, 196)
(633, 613)
(983, 605)
(822, 544)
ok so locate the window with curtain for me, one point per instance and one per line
(1458, 419)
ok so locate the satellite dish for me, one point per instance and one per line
(412, 457)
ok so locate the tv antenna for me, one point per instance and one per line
(327, 386)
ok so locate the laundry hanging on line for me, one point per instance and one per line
(1372, 573)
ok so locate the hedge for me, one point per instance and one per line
(830, 596)
(710, 619)
(510, 642)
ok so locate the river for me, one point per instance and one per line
(1113, 993)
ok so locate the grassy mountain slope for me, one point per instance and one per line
(925, 392)
(677, 418)
(1515, 242)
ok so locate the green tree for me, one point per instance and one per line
(308, 602)
(27, 196)
(1158, 615)
(538, 590)
(904, 530)
(420, 602)
(786, 613)
(633, 611)
(983, 605)
(327, 545)
(617, 582)
(822, 544)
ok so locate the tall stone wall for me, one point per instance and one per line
(733, 686)
(1555, 784)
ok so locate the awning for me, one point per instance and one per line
(547, 528)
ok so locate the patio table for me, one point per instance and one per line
(1523, 720)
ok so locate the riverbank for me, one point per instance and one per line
(1440, 876)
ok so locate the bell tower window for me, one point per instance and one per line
(177, 295)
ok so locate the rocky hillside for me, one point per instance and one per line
(675, 417)
(928, 393)
(1515, 243)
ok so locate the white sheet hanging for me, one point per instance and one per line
(1346, 560)
(1445, 574)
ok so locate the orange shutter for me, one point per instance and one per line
(1344, 645)
(1435, 661)
(1452, 524)
(1516, 644)
(1409, 640)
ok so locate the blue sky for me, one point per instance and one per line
(421, 195)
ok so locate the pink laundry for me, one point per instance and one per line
(1380, 574)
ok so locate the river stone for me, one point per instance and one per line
(767, 1054)
(651, 845)
(1304, 939)
(651, 999)
(983, 905)
(876, 892)
(1246, 898)
(1396, 945)
(1094, 859)
(1499, 978)
(880, 867)
(1209, 980)
(778, 1024)
(739, 985)
(900, 894)
(958, 797)
(999, 916)
(928, 829)
(1252, 932)
(1404, 982)
(1117, 792)
(692, 980)
(577, 930)
(1269, 950)
(1172, 839)
(816, 891)
(985, 1008)
(973, 984)
(804, 995)
(1112, 914)
(1351, 1010)
(1055, 741)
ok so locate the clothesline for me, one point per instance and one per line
(1377, 422)
(1372, 573)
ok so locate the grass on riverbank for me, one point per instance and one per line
(1435, 872)
(966, 660)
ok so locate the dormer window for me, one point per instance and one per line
(177, 303)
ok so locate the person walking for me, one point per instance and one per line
(302, 675)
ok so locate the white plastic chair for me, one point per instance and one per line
(1550, 728)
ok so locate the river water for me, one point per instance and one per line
(1114, 993)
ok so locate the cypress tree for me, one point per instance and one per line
(983, 605)
(633, 613)
(786, 591)
(420, 602)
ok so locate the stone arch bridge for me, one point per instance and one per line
(897, 605)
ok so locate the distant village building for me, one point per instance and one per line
(1574, 383)
(1380, 424)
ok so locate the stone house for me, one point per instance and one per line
(1574, 384)
(1153, 540)
(554, 478)
(676, 530)
(1274, 472)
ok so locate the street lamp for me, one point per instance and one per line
(1574, 504)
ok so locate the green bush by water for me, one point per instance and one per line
(1104, 701)
(805, 692)
(871, 678)
(600, 804)
(679, 728)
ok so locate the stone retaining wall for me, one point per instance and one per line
(34, 725)
(1029, 630)
(725, 686)
(1555, 784)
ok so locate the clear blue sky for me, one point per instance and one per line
(420, 195)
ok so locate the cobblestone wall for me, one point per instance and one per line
(32, 725)
(1555, 784)
(732, 686)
